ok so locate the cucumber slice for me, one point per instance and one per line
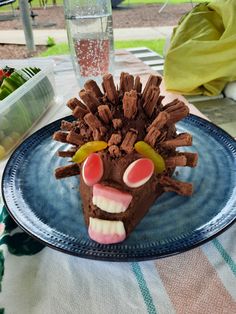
(23, 75)
(18, 78)
(10, 84)
(4, 92)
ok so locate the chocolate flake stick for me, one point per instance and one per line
(126, 82)
(92, 86)
(128, 143)
(110, 89)
(151, 100)
(152, 136)
(169, 107)
(153, 80)
(183, 139)
(159, 121)
(92, 121)
(191, 158)
(89, 99)
(117, 123)
(73, 103)
(177, 110)
(130, 104)
(114, 151)
(114, 139)
(74, 138)
(176, 161)
(60, 136)
(66, 125)
(105, 114)
(67, 153)
(97, 136)
(162, 137)
(138, 84)
(179, 187)
(80, 111)
(67, 171)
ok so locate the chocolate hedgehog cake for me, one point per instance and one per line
(124, 147)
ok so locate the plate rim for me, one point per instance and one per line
(115, 258)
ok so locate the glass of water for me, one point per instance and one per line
(90, 37)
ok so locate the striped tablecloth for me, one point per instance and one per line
(38, 280)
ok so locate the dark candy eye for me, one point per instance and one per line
(138, 172)
(92, 170)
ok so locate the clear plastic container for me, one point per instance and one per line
(21, 110)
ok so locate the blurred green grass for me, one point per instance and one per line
(159, 1)
(155, 45)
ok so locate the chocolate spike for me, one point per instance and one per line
(60, 136)
(191, 158)
(171, 132)
(80, 111)
(171, 106)
(126, 82)
(85, 132)
(179, 187)
(152, 136)
(105, 114)
(128, 143)
(74, 138)
(114, 151)
(110, 89)
(89, 99)
(92, 86)
(92, 121)
(177, 110)
(73, 103)
(160, 121)
(183, 139)
(115, 139)
(130, 104)
(117, 123)
(66, 125)
(138, 84)
(176, 161)
(162, 137)
(153, 80)
(151, 100)
(97, 136)
(67, 153)
(67, 171)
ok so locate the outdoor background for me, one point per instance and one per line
(129, 14)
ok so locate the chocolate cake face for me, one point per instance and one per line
(112, 204)
(124, 148)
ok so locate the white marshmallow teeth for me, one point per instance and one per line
(108, 205)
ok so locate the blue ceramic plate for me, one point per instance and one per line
(50, 209)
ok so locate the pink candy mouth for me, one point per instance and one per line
(105, 238)
(110, 199)
(106, 231)
(113, 201)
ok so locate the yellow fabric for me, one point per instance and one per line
(202, 54)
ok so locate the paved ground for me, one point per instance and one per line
(123, 17)
(41, 35)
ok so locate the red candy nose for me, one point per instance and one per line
(138, 172)
(92, 170)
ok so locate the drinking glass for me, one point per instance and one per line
(90, 38)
